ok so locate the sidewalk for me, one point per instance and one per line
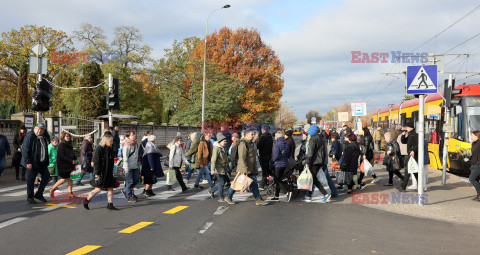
(451, 202)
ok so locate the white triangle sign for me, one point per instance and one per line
(421, 81)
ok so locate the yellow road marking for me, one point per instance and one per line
(175, 210)
(53, 205)
(84, 250)
(135, 227)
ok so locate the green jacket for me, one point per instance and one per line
(193, 151)
(247, 158)
(52, 157)
(219, 159)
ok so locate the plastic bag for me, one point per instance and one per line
(241, 182)
(305, 180)
(334, 165)
(171, 176)
(412, 166)
(322, 178)
(368, 168)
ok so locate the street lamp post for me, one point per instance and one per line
(205, 66)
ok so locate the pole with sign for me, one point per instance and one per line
(421, 80)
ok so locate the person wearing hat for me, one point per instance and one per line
(35, 160)
(409, 137)
(219, 166)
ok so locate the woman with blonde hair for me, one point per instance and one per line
(103, 162)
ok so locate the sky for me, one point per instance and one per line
(313, 39)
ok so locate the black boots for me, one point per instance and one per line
(149, 193)
(111, 207)
(85, 203)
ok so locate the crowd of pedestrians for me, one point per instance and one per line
(215, 156)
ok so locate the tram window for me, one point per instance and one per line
(459, 118)
(473, 118)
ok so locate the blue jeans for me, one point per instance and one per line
(202, 171)
(189, 171)
(3, 164)
(221, 182)
(331, 184)
(253, 188)
(131, 179)
(81, 177)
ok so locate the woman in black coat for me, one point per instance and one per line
(17, 156)
(103, 162)
(367, 154)
(394, 156)
(66, 161)
(350, 160)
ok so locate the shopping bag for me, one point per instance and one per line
(362, 167)
(334, 165)
(412, 166)
(241, 182)
(368, 168)
(340, 177)
(171, 176)
(305, 180)
(75, 174)
(322, 178)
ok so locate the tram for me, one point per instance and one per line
(465, 118)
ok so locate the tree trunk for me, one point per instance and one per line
(22, 89)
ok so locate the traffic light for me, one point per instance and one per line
(449, 94)
(41, 96)
(113, 96)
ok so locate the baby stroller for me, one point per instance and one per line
(288, 181)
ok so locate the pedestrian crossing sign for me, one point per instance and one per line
(422, 79)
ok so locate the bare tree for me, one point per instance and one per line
(285, 117)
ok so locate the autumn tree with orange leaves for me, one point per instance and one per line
(243, 54)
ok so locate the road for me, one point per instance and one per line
(200, 225)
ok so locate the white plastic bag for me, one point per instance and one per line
(368, 168)
(322, 178)
(305, 180)
(412, 166)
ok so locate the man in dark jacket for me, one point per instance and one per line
(4, 152)
(315, 158)
(116, 141)
(411, 139)
(35, 160)
(265, 147)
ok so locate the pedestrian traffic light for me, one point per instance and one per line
(449, 94)
(113, 96)
(41, 96)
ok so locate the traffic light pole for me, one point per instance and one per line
(39, 75)
(445, 139)
(421, 137)
(110, 89)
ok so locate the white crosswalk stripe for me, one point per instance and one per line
(22, 186)
(202, 195)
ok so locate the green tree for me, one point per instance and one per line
(311, 114)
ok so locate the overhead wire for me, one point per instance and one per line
(93, 87)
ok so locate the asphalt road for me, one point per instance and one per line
(204, 226)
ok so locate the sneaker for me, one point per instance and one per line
(31, 201)
(304, 198)
(274, 199)
(326, 198)
(212, 195)
(308, 199)
(375, 180)
(260, 202)
(229, 201)
(221, 200)
(289, 196)
(412, 187)
(132, 200)
(204, 181)
(40, 197)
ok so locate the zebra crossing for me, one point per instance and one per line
(158, 188)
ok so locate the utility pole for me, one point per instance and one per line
(421, 137)
(110, 90)
(39, 74)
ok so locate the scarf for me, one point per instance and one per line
(130, 142)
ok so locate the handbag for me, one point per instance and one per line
(412, 166)
(241, 182)
(334, 165)
(396, 163)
